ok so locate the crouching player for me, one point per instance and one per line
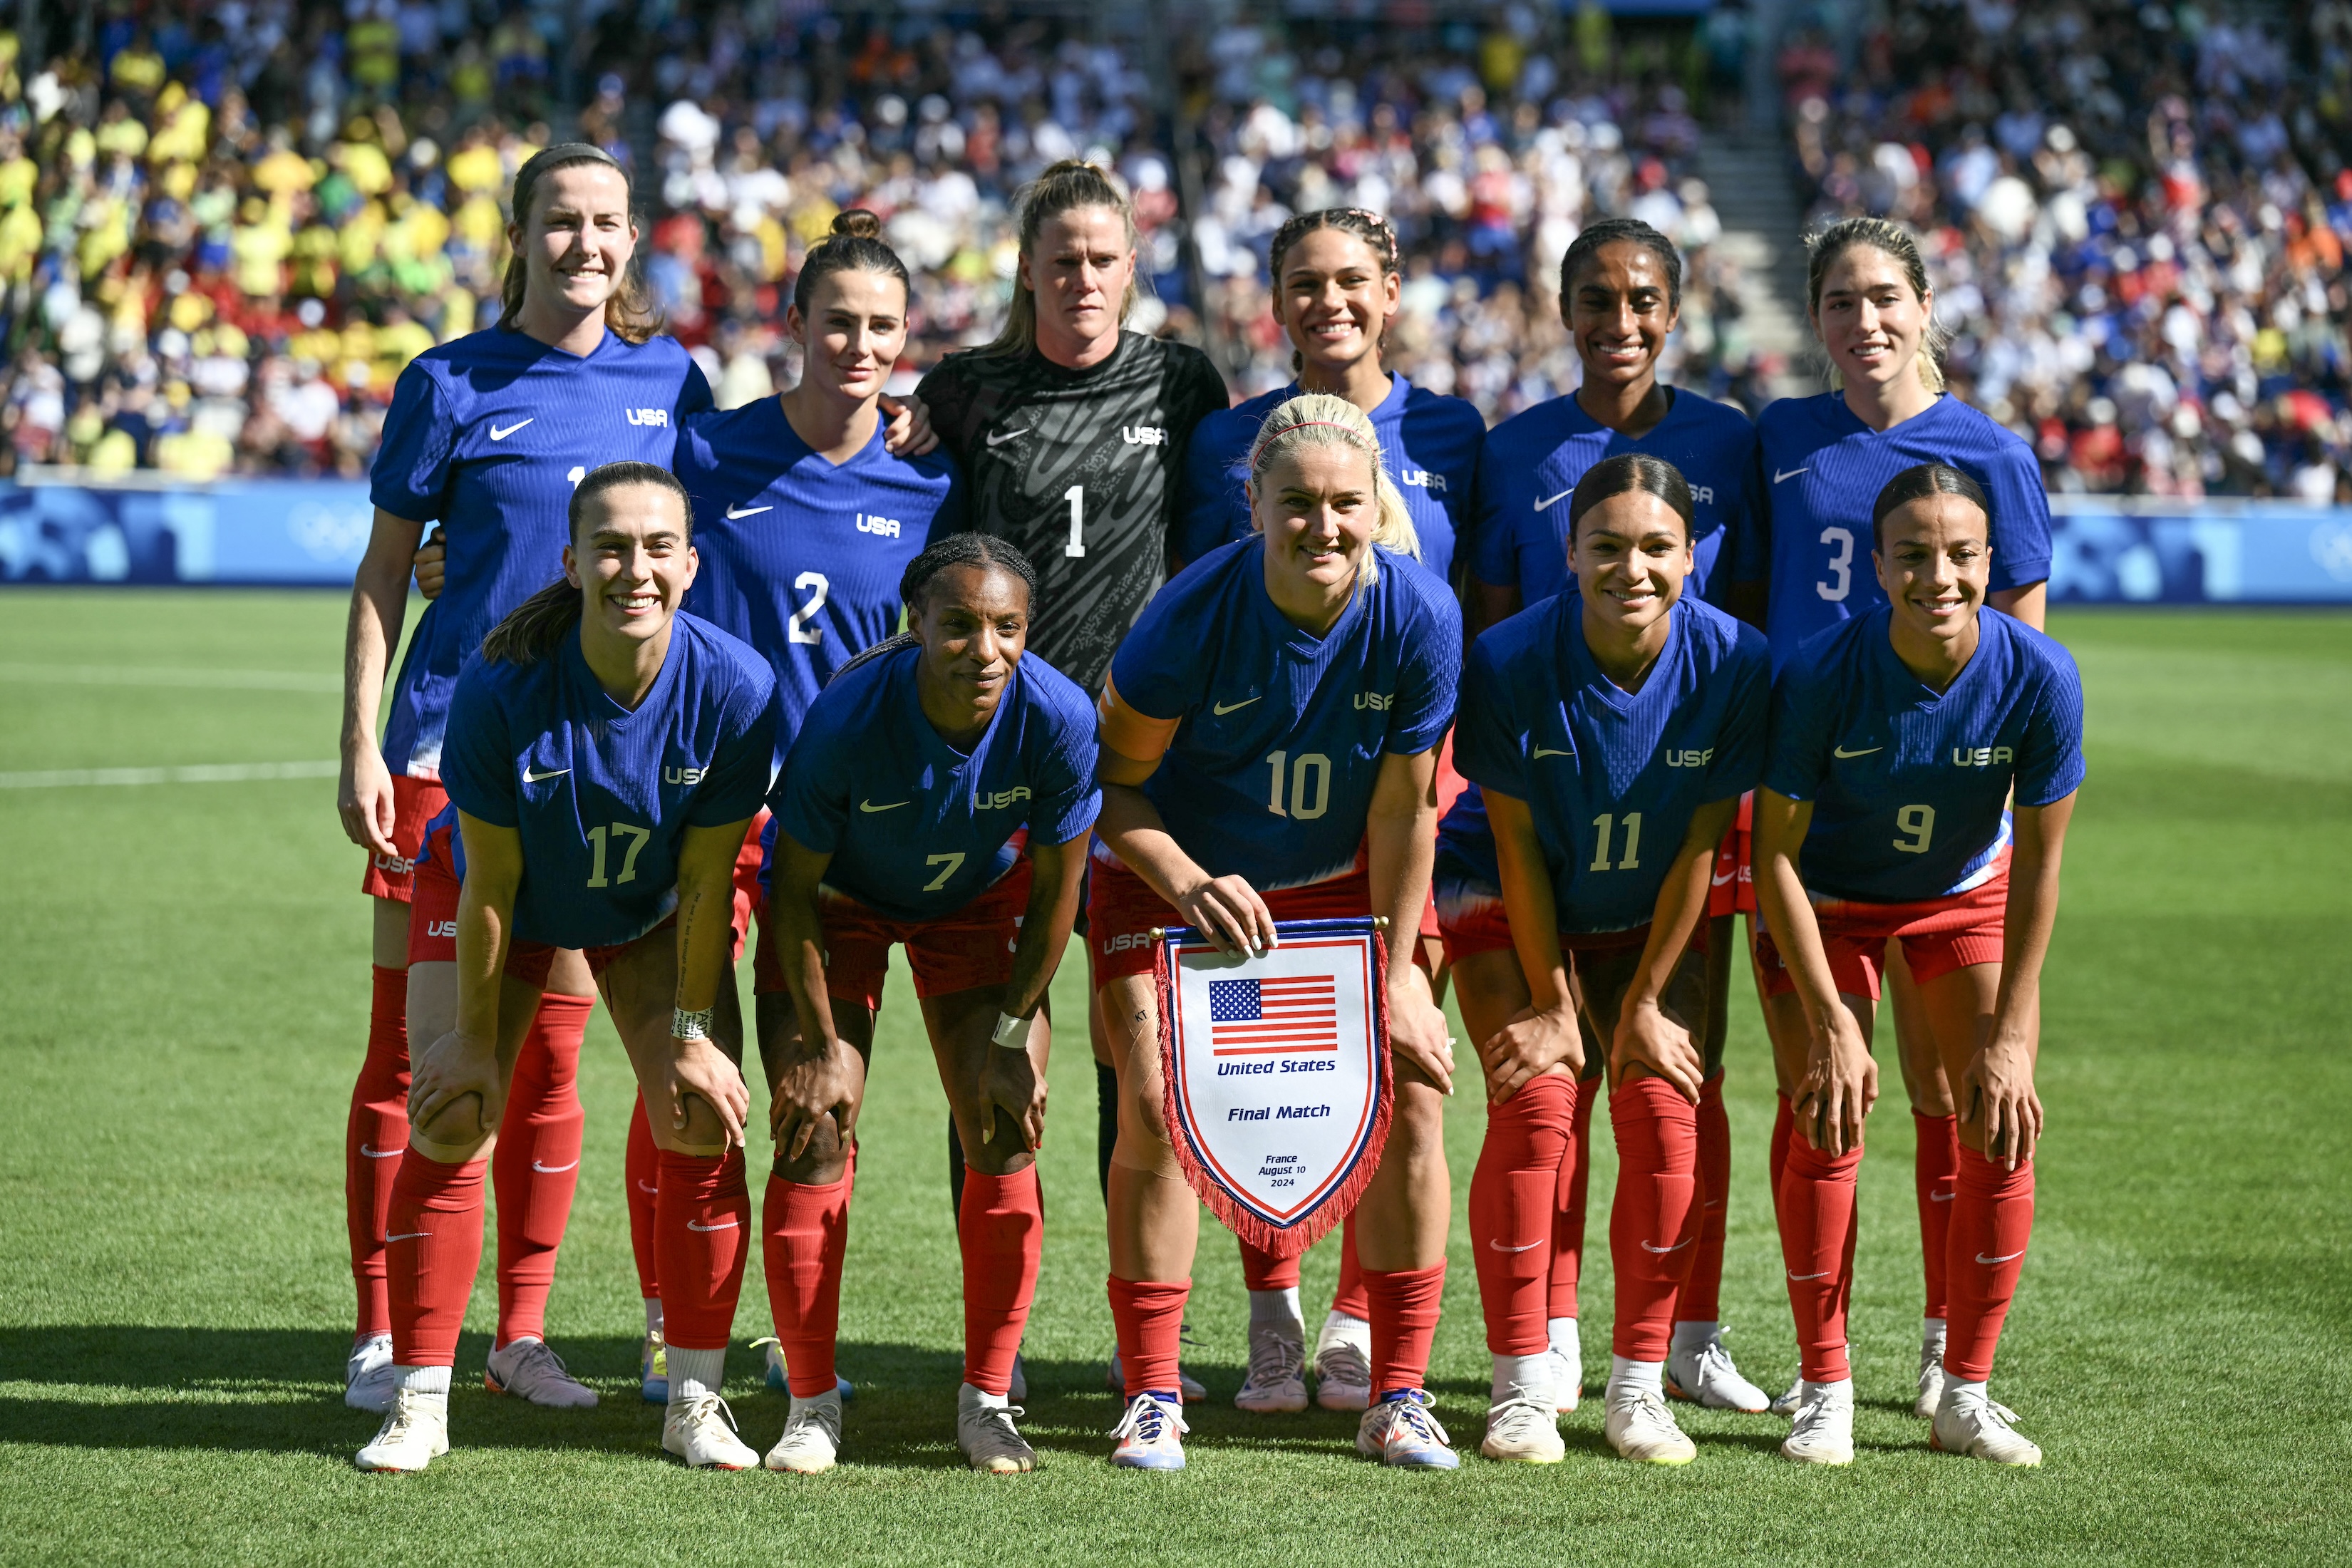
(1272, 722)
(1899, 740)
(1612, 732)
(605, 756)
(902, 815)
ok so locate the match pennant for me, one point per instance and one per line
(1275, 1075)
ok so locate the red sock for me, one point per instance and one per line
(1351, 1297)
(1404, 1320)
(1654, 1224)
(806, 1232)
(1262, 1270)
(1936, 1171)
(1514, 1194)
(1567, 1218)
(1784, 1127)
(372, 1141)
(537, 1165)
(434, 1249)
(699, 1227)
(642, 1166)
(1700, 1300)
(1816, 1206)
(1002, 1228)
(1148, 1315)
(1992, 1219)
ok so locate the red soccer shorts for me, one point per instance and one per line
(1121, 910)
(1473, 921)
(1939, 935)
(970, 948)
(1734, 888)
(433, 924)
(415, 803)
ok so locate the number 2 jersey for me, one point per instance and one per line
(603, 794)
(1611, 777)
(1822, 469)
(486, 436)
(1080, 469)
(1910, 788)
(916, 828)
(1269, 739)
(798, 557)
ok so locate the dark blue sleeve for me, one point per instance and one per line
(1748, 550)
(811, 798)
(1211, 508)
(1426, 682)
(1738, 760)
(411, 476)
(1494, 554)
(2020, 518)
(694, 393)
(949, 517)
(2050, 765)
(738, 780)
(478, 754)
(1797, 762)
(1487, 749)
(1064, 800)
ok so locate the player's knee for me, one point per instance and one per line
(1417, 1124)
(824, 1162)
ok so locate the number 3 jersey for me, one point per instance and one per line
(1910, 788)
(1821, 471)
(1611, 777)
(1269, 739)
(916, 828)
(801, 558)
(486, 436)
(603, 794)
(1080, 469)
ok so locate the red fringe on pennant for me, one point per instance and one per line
(1290, 1240)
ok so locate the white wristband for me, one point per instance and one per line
(685, 1026)
(1012, 1032)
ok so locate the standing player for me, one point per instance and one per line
(1612, 730)
(940, 795)
(1072, 434)
(1335, 294)
(486, 436)
(606, 754)
(1900, 739)
(1824, 460)
(1319, 649)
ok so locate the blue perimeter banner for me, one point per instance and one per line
(2105, 550)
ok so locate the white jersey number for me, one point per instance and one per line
(800, 630)
(1312, 769)
(1840, 565)
(1632, 859)
(1077, 496)
(1918, 822)
(636, 837)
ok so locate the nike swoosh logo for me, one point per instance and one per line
(1663, 1251)
(1222, 708)
(407, 1235)
(498, 435)
(733, 512)
(1546, 752)
(1941, 1198)
(1528, 1248)
(998, 439)
(650, 1192)
(2005, 1258)
(1843, 754)
(1563, 495)
(529, 778)
(1725, 882)
(375, 1153)
(730, 1224)
(553, 1170)
(1791, 474)
(1822, 1275)
(869, 805)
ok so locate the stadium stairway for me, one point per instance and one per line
(1746, 176)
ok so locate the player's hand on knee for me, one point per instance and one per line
(1839, 1087)
(699, 1070)
(1531, 1044)
(1011, 1081)
(1998, 1089)
(452, 1069)
(1229, 913)
(909, 432)
(810, 1090)
(1647, 1038)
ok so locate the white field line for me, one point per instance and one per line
(198, 773)
(137, 675)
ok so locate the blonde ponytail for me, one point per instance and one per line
(1318, 419)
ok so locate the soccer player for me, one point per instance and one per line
(939, 796)
(1072, 432)
(1824, 461)
(1619, 295)
(604, 756)
(486, 436)
(1612, 730)
(1900, 739)
(1336, 295)
(1269, 737)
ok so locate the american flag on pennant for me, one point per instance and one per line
(1275, 1015)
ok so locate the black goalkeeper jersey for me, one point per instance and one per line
(1079, 469)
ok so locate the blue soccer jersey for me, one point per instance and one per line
(486, 436)
(1429, 443)
(1822, 469)
(1910, 788)
(603, 794)
(799, 558)
(1612, 777)
(1279, 736)
(1534, 460)
(916, 828)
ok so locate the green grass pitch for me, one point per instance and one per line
(182, 1002)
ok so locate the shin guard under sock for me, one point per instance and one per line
(1148, 1316)
(1514, 1194)
(536, 1166)
(698, 1238)
(1404, 1306)
(373, 1138)
(1699, 1301)
(1001, 1232)
(1993, 1221)
(1567, 1219)
(433, 1250)
(1816, 1209)
(641, 1165)
(1936, 1173)
(1654, 1224)
(805, 1232)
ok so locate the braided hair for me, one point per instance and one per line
(1369, 226)
(972, 549)
(1586, 247)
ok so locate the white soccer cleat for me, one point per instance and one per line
(1400, 1432)
(1932, 1381)
(702, 1432)
(812, 1440)
(1150, 1435)
(1786, 1403)
(369, 1381)
(1277, 1366)
(1823, 1434)
(530, 1370)
(1343, 1363)
(1523, 1429)
(414, 1433)
(1193, 1390)
(985, 1433)
(1641, 1428)
(1967, 1423)
(1706, 1377)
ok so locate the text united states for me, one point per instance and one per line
(1262, 1018)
